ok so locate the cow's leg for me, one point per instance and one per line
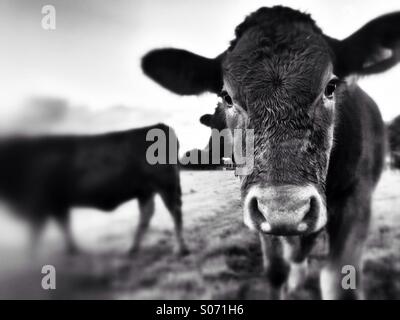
(36, 217)
(347, 233)
(146, 208)
(172, 200)
(37, 226)
(296, 251)
(64, 220)
(276, 268)
(180, 248)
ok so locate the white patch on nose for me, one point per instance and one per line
(302, 227)
(266, 227)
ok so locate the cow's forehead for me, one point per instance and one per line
(277, 62)
(275, 18)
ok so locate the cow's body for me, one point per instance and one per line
(356, 164)
(359, 143)
(47, 176)
(319, 140)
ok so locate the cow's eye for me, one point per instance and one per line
(330, 88)
(226, 97)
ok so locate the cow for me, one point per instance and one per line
(219, 145)
(46, 176)
(319, 139)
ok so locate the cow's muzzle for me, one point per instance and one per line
(285, 210)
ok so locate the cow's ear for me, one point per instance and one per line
(206, 119)
(183, 72)
(372, 49)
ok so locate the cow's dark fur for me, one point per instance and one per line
(276, 71)
(46, 176)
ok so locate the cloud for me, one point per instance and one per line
(56, 115)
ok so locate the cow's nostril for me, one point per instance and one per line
(310, 216)
(255, 213)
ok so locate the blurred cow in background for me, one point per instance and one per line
(46, 176)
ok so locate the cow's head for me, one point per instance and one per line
(281, 77)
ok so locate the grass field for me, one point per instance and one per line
(225, 259)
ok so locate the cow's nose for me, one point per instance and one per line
(285, 210)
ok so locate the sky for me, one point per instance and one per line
(90, 65)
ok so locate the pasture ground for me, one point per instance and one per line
(225, 259)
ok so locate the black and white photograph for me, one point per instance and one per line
(199, 150)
